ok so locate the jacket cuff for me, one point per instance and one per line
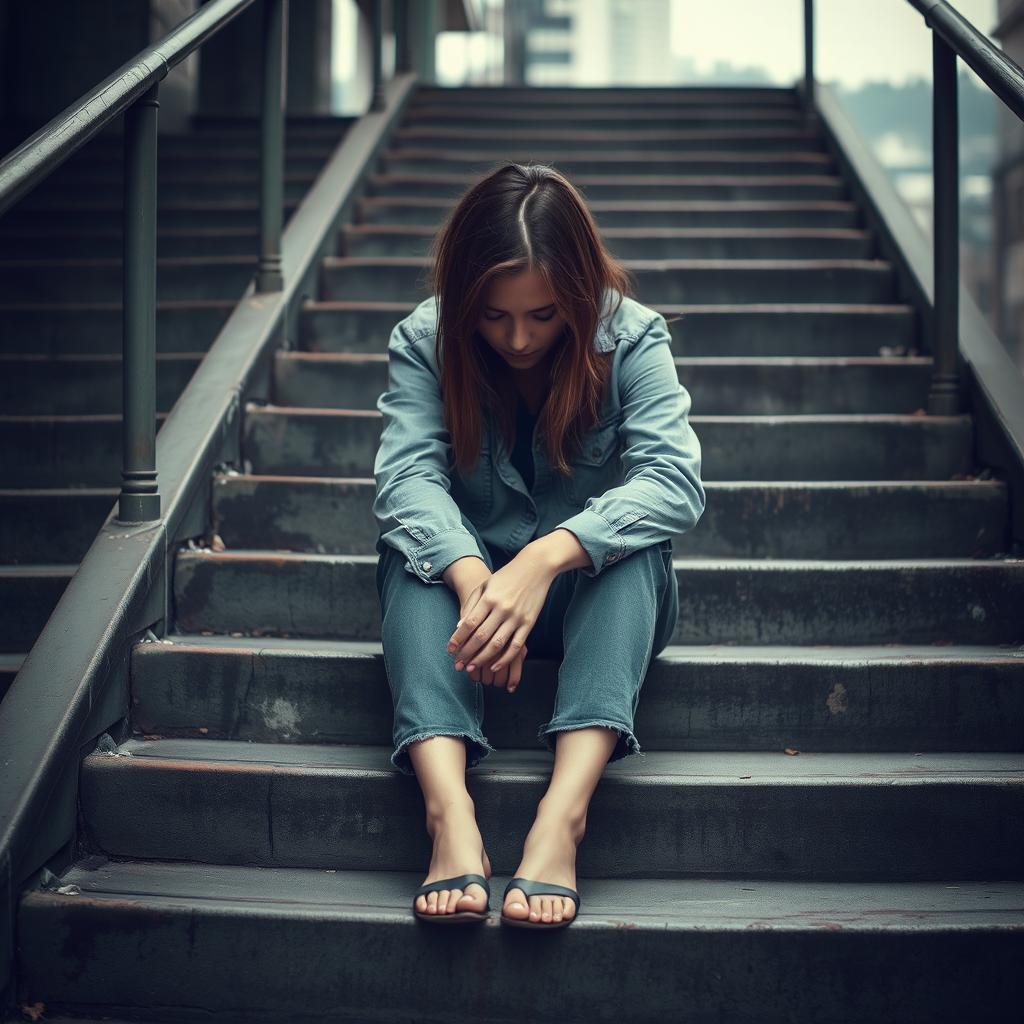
(430, 559)
(598, 537)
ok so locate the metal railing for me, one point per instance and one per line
(133, 89)
(952, 36)
(75, 681)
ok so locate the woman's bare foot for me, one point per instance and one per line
(458, 850)
(549, 855)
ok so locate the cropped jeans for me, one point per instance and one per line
(604, 629)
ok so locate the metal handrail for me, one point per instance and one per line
(952, 36)
(133, 89)
(75, 681)
(992, 66)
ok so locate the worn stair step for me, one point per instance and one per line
(28, 594)
(182, 277)
(65, 451)
(611, 95)
(660, 281)
(602, 161)
(187, 213)
(93, 328)
(646, 213)
(174, 189)
(589, 97)
(524, 140)
(639, 243)
(877, 446)
(77, 384)
(51, 524)
(636, 118)
(955, 519)
(108, 242)
(885, 698)
(745, 385)
(638, 186)
(755, 329)
(849, 816)
(736, 949)
(722, 600)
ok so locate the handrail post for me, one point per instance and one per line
(944, 394)
(403, 52)
(269, 273)
(809, 99)
(139, 500)
(377, 101)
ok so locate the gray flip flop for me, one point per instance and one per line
(532, 888)
(456, 882)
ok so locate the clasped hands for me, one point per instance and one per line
(497, 612)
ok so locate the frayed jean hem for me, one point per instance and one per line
(627, 743)
(477, 748)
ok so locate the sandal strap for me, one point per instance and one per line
(533, 888)
(455, 882)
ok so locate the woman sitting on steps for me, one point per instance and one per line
(535, 462)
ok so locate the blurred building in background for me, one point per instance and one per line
(589, 42)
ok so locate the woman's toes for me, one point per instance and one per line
(568, 909)
(515, 905)
(535, 908)
(476, 900)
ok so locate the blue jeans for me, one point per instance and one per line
(605, 630)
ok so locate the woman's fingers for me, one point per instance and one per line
(512, 649)
(515, 671)
(488, 640)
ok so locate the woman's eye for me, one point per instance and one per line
(545, 319)
(498, 317)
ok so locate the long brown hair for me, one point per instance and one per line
(520, 217)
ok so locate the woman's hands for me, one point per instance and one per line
(497, 615)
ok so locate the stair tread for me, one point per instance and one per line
(790, 653)
(652, 768)
(698, 903)
(699, 562)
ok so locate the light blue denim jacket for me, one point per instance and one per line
(635, 483)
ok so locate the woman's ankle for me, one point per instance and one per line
(457, 809)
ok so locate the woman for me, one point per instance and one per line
(563, 547)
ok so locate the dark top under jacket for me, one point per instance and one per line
(522, 453)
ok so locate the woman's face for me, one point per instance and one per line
(519, 320)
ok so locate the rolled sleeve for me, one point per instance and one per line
(661, 495)
(413, 506)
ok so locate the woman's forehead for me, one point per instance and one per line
(522, 291)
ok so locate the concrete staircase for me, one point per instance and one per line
(828, 817)
(60, 346)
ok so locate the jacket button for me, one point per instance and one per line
(613, 558)
(427, 566)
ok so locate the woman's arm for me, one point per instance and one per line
(662, 494)
(415, 511)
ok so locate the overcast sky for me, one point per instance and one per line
(855, 40)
